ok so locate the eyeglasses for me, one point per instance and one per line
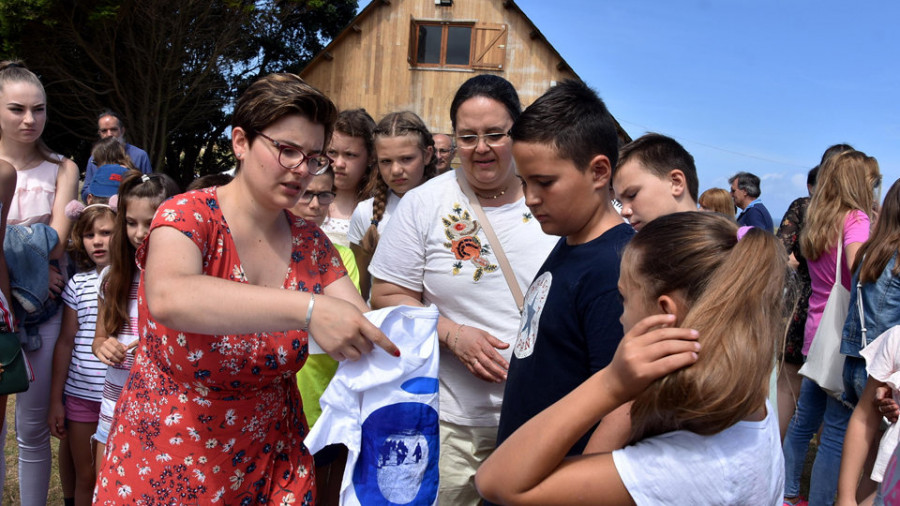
(290, 157)
(491, 139)
(445, 151)
(324, 198)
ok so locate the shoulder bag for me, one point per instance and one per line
(824, 363)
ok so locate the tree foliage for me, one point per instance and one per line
(172, 68)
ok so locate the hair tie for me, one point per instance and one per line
(374, 222)
(145, 178)
(742, 231)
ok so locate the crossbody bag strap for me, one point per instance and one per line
(862, 314)
(505, 267)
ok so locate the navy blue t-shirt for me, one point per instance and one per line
(569, 329)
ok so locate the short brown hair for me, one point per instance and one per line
(275, 96)
(660, 155)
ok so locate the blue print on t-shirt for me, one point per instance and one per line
(398, 460)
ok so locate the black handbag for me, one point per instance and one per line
(16, 373)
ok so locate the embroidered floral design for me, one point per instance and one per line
(462, 232)
(526, 217)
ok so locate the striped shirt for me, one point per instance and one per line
(86, 372)
(117, 375)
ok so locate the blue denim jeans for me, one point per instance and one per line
(815, 407)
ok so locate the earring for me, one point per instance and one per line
(238, 155)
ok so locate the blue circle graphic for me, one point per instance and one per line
(398, 460)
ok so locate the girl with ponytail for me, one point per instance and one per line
(704, 304)
(404, 155)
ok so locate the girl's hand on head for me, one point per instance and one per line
(343, 332)
(478, 351)
(56, 419)
(111, 352)
(650, 350)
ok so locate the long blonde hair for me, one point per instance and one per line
(734, 294)
(845, 183)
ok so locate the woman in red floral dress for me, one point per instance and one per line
(211, 412)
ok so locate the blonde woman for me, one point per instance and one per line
(839, 211)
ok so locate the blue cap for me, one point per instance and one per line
(107, 180)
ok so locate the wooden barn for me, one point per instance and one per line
(414, 54)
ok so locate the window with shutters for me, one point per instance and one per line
(439, 44)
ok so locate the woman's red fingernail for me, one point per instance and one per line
(397, 353)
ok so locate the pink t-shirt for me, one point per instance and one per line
(823, 274)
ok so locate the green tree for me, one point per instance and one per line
(172, 68)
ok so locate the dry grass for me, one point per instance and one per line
(11, 453)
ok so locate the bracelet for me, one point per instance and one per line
(309, 309)
(456, 338)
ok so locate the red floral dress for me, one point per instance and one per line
(216, 419)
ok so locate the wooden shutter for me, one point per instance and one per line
(489, 46)
(413, 34)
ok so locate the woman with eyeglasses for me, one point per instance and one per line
(435, 251)
(232, 288)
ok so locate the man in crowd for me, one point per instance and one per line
(444, 149)
(109, 124)
(745, 193)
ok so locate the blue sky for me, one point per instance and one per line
(760, 86)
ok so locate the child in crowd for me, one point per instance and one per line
(106, 183)
(717, 200)
(76, 385)
(565, 147)
(319, 368)
(655, 176)
(883, 365)
(111, 158)
(117, 333)
(220, 179)
(871, 340)
(352, 153)
(702, 430)
(404, 155)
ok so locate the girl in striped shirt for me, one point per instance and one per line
(77, 379)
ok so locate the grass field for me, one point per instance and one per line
(11, 454)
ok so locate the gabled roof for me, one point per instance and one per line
(373, 4)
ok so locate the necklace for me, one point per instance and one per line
(491, 197)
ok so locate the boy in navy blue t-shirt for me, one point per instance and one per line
(565, 146)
